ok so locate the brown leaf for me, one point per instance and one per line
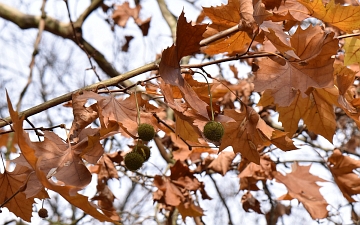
(345, 18)
(126, 46)
(290, 10)
(121, 111)
(105, 169)
(7, 140)
(320, 115)
(315, 69)
(105, 199)
(10, 183)
(188, 38)
(224, 17)
(144, 25)
(182, 176)
(123, 12)
(274, 32)
(222, 163)
(342, 168)
(243, 135)
(301, 185)
(83, 116)
(189, 209)
(273, 215)
(74, 198)
(167, 192)
(25, 145)
(61, 161)
(89, 146)
(254, 173)
(249, 202)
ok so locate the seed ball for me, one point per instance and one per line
(146, 132)
(143, 150)
(213, 131)
(43, 213)
(133, 161)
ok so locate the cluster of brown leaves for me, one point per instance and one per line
(306, 77)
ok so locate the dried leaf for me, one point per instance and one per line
(301, 185)
(224, 17)
(10, 184)
(342, 168)
(315, 69)
(346, 18)
(222, 163)
(351, 47)
(249, 202)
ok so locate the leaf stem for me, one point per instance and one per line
(137, 108)
(211, 106)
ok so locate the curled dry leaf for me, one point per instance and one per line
(342, 168)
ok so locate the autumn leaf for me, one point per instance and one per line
(105, 199)
(188, 38)
(320, 115)
(65, 191)
(342, 168)
(346, 18)
(185, 130)
(248, 133)
(249, 202)
(60, 160)
(13, 183)
(123, 12)
(224, 17)
(121, 111)
(105, 168)
(88, 146)
(301, 184)
(175, 190)
(74, 198)
(167, 192)
(83, 116)
(351, 47)
(315, 49)
(7, 140)
(222, 163)
(279, 210)
(274, 32)
(254, 173)
(291, 10)
(189, 209)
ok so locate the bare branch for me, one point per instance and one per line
(67, 97)
(56, 27)
(169, 17)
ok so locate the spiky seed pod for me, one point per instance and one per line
(146, 132)
(142, 150)
(133, 161)
(213, 131)
(43, 213)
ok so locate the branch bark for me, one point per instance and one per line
(67, 97)
(61, 29)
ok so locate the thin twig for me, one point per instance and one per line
(35, 52)
(78, 39)
(222, 199)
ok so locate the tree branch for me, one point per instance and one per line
(169, 17)
(94, 5)
(67, 97)
(61, 29)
